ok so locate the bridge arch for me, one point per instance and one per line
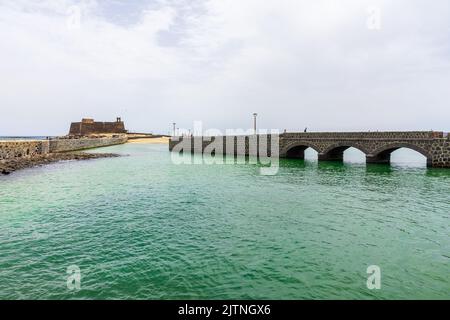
(297, 150)
(383, 154)
(345, 146)
(335, 152)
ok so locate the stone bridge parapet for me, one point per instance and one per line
(377, 146)
(330, 146)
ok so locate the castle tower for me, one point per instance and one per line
(88, 126)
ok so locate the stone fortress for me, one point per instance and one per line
(86, 134)
(88, 126)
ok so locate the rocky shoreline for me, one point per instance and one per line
(11, 165)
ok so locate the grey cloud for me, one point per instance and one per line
(296, 63)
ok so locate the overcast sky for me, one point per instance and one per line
(328, 65)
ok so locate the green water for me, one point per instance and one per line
(140, 227)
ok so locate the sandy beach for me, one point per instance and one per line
(161, 140)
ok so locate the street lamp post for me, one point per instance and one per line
(254, 122)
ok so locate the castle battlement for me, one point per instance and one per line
(88, 126)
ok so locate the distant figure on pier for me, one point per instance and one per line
(306, 129)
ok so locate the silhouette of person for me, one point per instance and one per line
(306, 129)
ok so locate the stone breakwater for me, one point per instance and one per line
(22, 148)
(13, 164)
(18, 154)
(83, 143)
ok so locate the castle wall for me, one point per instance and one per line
(64, 145)
(15, 149)
(23, 148)
(82, 128)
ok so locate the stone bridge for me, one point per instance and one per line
(377, 146)
(330, 146)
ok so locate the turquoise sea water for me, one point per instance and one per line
(140, 227)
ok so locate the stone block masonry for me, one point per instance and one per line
(243, 145)
(330, 146)
(89, 126)
(16, 149)
(65, 145)
(377, 146)
(22, 148)
(441, 153)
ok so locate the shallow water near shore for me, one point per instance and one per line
(141, 227)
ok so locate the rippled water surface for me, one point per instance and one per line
(141, 227)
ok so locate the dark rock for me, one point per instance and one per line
(8, 166)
